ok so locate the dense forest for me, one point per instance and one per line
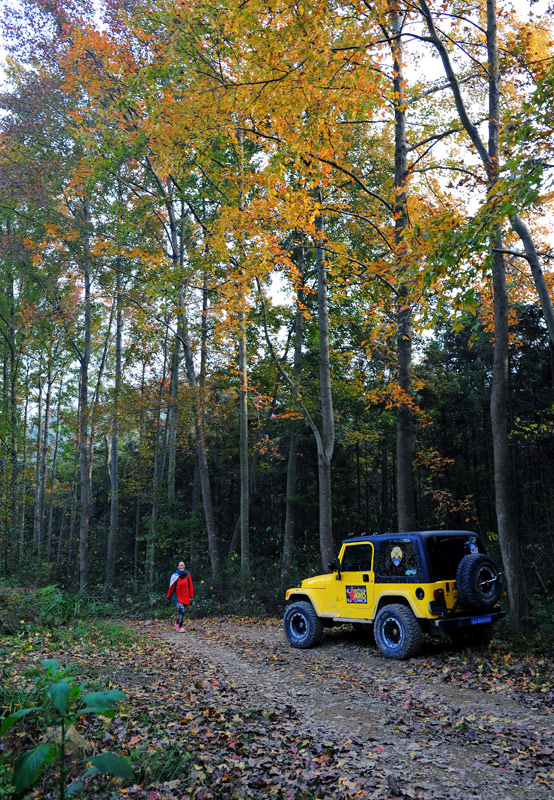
(273, 272)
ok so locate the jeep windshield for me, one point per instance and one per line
(446, 552)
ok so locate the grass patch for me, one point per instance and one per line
(161, 766)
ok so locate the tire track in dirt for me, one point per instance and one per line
(425, 738)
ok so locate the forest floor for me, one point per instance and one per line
(226, 709)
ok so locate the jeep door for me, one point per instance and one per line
(356, 588)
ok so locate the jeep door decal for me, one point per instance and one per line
(356, 594)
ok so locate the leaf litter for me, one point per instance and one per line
(227, 709)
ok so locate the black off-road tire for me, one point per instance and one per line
(472, 635)
(397, 632)
(478, 582)
(303, 628)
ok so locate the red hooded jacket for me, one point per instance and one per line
(182, 586)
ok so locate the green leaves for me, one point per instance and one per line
(102, 702)
(27, 769)
(12, 718)
(52, 666)
(54, 670)
(67, 698)
(59, 694)
(110, 764)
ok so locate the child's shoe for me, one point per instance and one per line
(177, 627)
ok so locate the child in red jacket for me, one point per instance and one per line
(180, 586)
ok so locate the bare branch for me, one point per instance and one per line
(434, 139)
(470, 128)
(355, 178)
(364, 219)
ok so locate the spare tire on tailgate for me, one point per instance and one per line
(478, 582)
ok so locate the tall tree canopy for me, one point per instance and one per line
(271, 273)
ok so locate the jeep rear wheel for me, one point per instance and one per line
(303, 628)
(397, 632)
(478, 582)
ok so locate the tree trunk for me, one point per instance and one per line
(36, 517)
(53, 476)
(252, 469)
(203, 470)
(95, 402)
(235, 537)
(138, 500)
(503, 477)
(325, 452)
(172, 422)
(505, 514)
(114, 444)
(404, 414)
(14, 459)
(178, 253)
(245, 566)
(503, 474)
(44, 460)
(60, 537)
(72, 525)
(195, 497)
(290, 498)
(24, 474)
(156, 480)
(84, 416)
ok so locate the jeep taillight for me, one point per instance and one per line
(438, 594)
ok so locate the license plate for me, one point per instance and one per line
(479, 620)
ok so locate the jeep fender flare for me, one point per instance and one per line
(303, 597)
(396, 598)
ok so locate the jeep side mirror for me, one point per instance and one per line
(334, 566)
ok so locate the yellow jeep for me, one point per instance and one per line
(401, 584)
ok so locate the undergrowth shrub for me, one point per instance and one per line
(22, 608)
(160, 766)
(57, 698)
(7, 788)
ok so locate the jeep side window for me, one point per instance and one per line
(357, 558)
(397, 559)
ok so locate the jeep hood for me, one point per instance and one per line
(317, 582)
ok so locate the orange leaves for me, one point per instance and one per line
(96, 61)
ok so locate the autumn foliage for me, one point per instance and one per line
(192, 196)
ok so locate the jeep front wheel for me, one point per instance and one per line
(397, 632)
(303, 628)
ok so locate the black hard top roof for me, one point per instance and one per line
(422, 534)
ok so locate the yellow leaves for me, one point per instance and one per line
(531, 42)
(433, 461)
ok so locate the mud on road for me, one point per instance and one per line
(443, 726)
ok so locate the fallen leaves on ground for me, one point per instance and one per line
(228, 710)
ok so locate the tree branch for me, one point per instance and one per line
(470, 128)
(538, 276)
(361, 184)
(286, 377)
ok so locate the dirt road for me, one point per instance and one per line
(444, 725)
